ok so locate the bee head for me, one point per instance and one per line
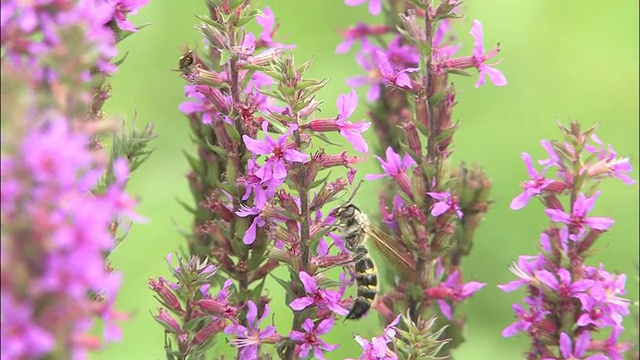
(345, 212)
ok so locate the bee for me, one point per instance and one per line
(356, 229)
(186, 63)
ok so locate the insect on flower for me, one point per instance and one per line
(186, 63)
(356, 229)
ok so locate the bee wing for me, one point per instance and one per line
(393, 250)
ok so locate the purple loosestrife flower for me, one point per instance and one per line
(352, 132)
(395, 167)
(526, 319)
(122, 8)
(369, 62)
(323, 299)
(359, 32)
(277, 151)
(453, 290)
(375, 6)
(203, 104)
(532, 187)
(578, 221)
(258, 222)
(249, 338)
(391, 74)
(565, 288)
(525, 269)
(577, 351)
(607, 163)
(446, 203)
(67, 230)
(495, 75)
(478, 59)
(309, 338)
(402, 55)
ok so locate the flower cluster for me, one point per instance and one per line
(567, 300)
(62, 198)
(58, 233)
(433, 217)
(260, 181)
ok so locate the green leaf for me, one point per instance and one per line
(324, 138)
(458, 72)
(256, 292)
(186, 206)
(225, 56)
(194, 163)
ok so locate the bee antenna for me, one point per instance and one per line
(353, 194)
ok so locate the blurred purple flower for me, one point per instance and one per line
(369, 62)
(395, 167)
(123, 8)
(391, 74)
(375, 6)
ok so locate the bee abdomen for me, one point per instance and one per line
(367, 281)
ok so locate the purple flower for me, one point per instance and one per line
(494, 74)
(525, 319)
(254, 184)
(375, 6)
(395, 167)
(22, 337)
(323, 299)
(204, 104)
(359, 32)
(352, 132)
(402, 55)
(310, 338)
(277, 152)
(525, 269)
(368, 61)
(564, 288)
(457, 292)
(532, 187)
(377, 349)
(122, 8)
(443, 51)
(570, 352)
(249, 338)
(258, 222)
(391, 74)
(578, 221)
(266, 22)
(607, 163)
(446, 203)
(612, 345)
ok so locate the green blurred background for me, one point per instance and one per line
(563, 60)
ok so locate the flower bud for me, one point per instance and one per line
(167, 296)
(168, 322)
(208, 332)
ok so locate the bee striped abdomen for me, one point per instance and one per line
(367, 281)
